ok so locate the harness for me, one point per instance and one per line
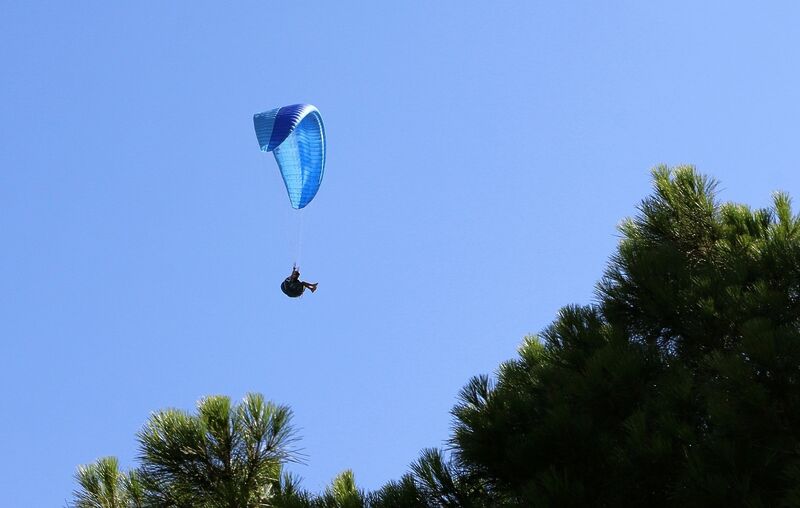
(292, 288)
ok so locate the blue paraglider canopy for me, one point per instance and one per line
(296, 136)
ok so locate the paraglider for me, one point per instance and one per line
(296, 137)
(293, 287)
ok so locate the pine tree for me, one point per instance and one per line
(679, 387)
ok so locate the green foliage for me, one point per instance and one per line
(680, 387)
(399, 494)
(342, 493)
(226, 455)
(103, 485)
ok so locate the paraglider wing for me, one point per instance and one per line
(296, 136)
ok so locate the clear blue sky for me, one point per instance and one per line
(480, 158)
